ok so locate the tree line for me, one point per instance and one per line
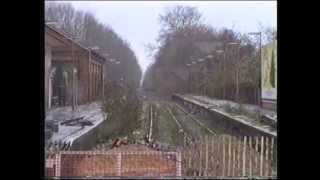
(191, 56)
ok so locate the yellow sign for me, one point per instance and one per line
(269, 71)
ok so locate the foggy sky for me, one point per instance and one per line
(137, 21)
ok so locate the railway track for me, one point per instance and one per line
(152, 116)
(170, 124)
(191, 118)
(194, 119)
(190, 135)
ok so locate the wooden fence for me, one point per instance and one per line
(229, 156)
(210, 156)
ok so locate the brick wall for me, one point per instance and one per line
(106, 164)
(50, 166)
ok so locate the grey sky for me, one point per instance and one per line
(137, 21)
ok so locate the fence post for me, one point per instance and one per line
(212, 156)
(238, 157)
(219, 153)
(267, 158)
(250, 156)
(200, 158)
(118, 168)
(184, 161)
(91, 163)
(257, 154)
(189, 159)
(229, 158)
(206, 162)
(271, 155)
(244, 156)
(58, 165)
(261, 157)
(223, 156)
(195, 154)
(234, 155)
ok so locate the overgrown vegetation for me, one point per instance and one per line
(123, 107)
(165, 129)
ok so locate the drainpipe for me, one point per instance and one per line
(89, 75)
(102, 68)
(73, 66)
(50, 87)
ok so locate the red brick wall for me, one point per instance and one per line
(147, 165)
(50, 167)
(81, 165)
(106, 164)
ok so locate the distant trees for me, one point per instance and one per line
(232, 74)
(268, 33)
(178, 21)
(180, 27)
(68, 18)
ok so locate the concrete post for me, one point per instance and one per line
(58, 164)
(178, 164)
(118, 164)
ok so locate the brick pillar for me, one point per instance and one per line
(58, 164)
(118, 168)
(178, 164)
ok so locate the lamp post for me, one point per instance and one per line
(260, 70)
(195, 62)
(189, 77)
(200, 60)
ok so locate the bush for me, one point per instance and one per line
(123, 107)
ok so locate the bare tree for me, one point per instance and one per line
(268, 33)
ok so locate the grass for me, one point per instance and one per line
(167, 129)
(189, 124)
